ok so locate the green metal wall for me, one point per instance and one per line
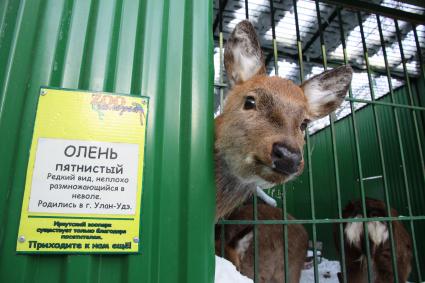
(298, 199)
(158, 48)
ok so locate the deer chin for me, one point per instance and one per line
(272, 176)
(253, 170)
(266, 176)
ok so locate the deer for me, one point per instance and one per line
(239, 245)
(380, 246)
(259, 136)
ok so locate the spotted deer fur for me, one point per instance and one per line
(379, 243)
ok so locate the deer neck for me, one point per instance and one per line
(230, 190)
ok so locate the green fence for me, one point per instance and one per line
(326, 199)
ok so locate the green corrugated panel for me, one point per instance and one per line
(161, 49)
(324, 179)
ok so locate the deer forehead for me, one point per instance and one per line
(280, 93)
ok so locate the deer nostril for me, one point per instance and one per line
(278, 151)
(285, 160)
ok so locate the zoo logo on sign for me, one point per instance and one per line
(102, 102)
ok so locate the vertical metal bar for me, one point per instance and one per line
(222, 241)
(372, 94)
(418, 139)
(338, 189)
(276, 71)
(220, 27)
(283, 195)
(254, 200)
(246, 10)
(299, 44)
(395, 112)
(418, 48)
(332, 116)
(410, 97)
(308, 157)
(322, 42)
(421, 98)
(221, 72)
(285, 236)
(312, 207)
(255, 237)
(356, 139)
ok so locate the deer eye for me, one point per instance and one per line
(249, 103)
(304, 124)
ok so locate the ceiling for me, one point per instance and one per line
(286, 38)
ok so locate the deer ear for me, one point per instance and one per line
(326, 91)
(243, 57)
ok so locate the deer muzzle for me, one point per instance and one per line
(285, 160)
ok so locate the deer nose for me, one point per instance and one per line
(285, 160)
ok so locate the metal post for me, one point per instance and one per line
(395, 112)
(418, 139)
(276, 71)
(358, 155)
(308, 159)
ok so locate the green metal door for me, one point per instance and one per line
(157, 48)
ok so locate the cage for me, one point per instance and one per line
(372, 146)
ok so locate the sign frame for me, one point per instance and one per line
(139, 199)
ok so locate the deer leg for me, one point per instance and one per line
(383, 266)
(356, 272)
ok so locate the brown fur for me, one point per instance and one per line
(237, 133)
(355, 255)
(270, 245)
(244, 36)
(246, 139)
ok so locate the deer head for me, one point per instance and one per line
(260, 134)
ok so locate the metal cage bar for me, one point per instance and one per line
(323, 220)
(415, 122)
(285, 236)
(381, 154)
(418, 48)
(254, 201)
(332, 115)
(309, 162)
(358, 156)
(338, 189)
(220, 12)
(387, 201)
(282, 188)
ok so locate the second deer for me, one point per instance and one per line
(239, 245)
(380, 246)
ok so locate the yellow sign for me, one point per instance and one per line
(83, 187)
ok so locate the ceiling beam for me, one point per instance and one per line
(217, 18)
(331, 62)
(418, 3)
(324, 26)
(360, 5)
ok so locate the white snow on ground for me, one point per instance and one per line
(327, 272)
(225, 272)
